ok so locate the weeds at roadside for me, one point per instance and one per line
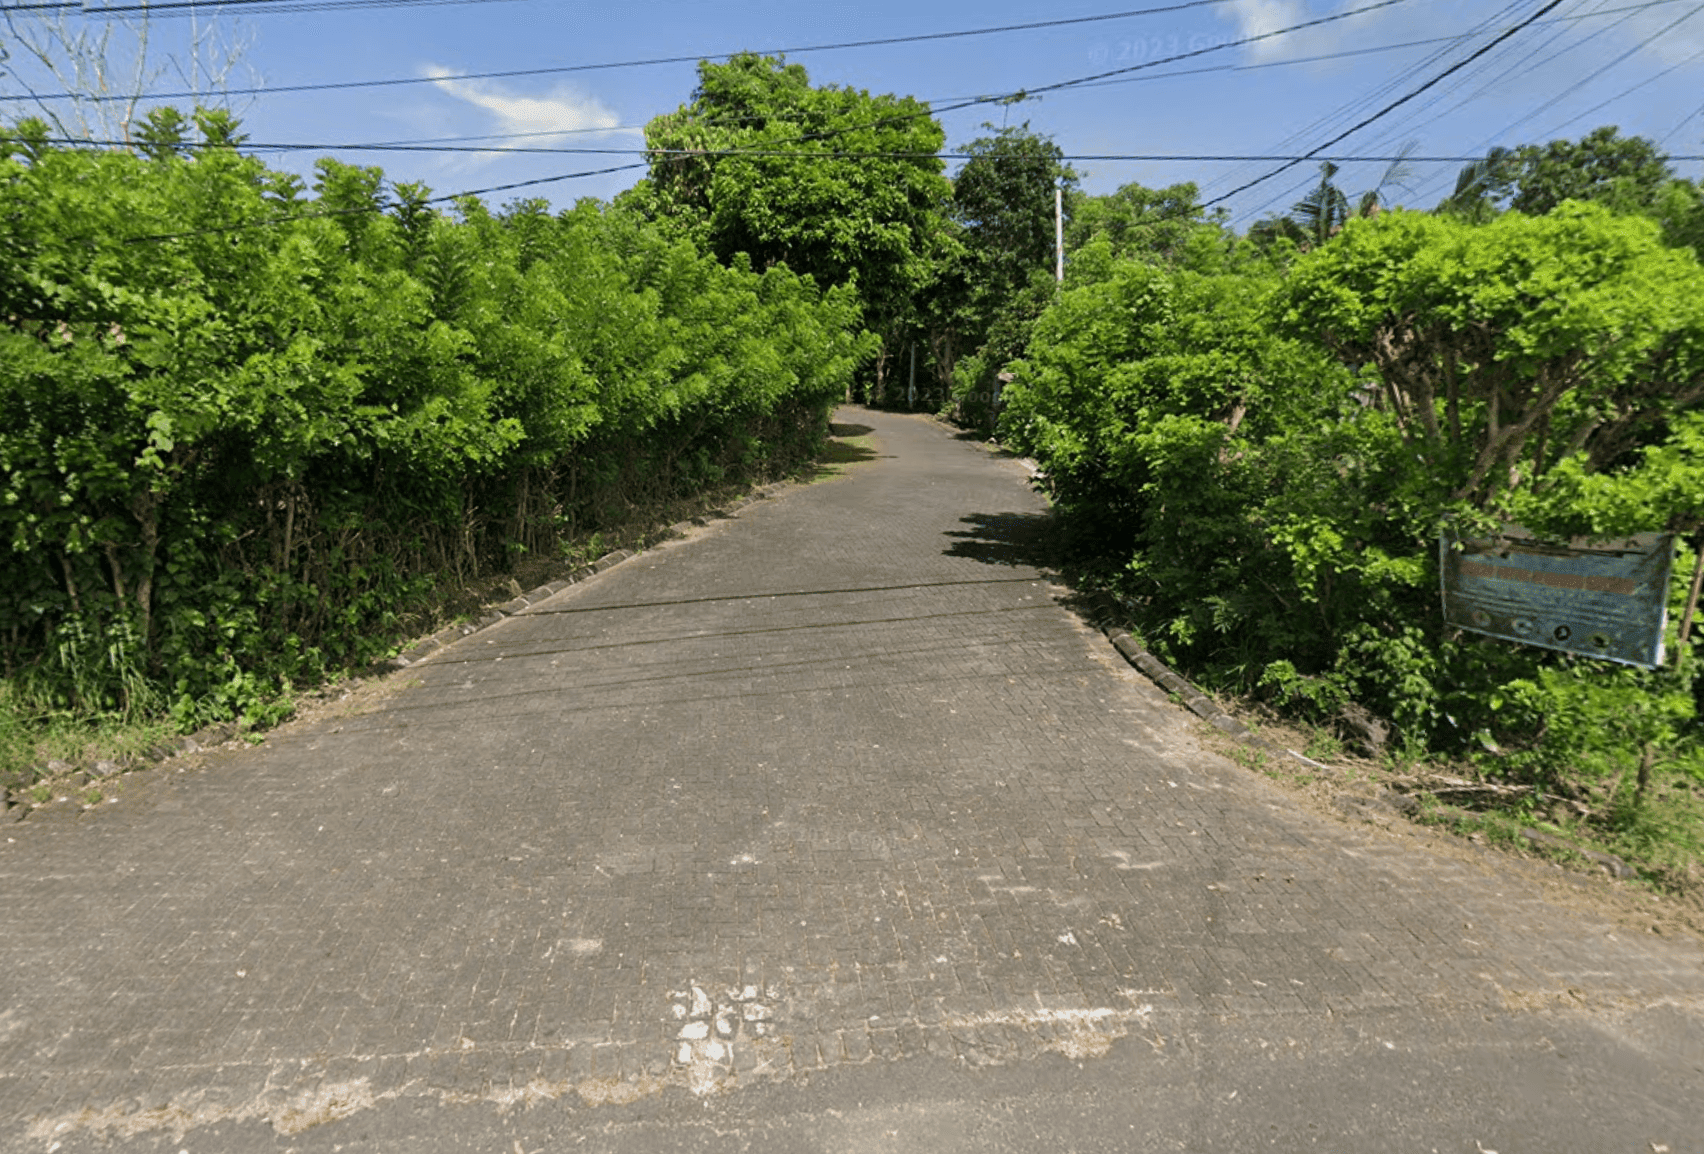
(30, 739)
(34, 738)
(1662, 838)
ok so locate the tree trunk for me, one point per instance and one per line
(146, 509)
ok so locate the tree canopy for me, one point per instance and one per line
(1135, 220)
(1600, 166)
(832, 182)
(1627, 172)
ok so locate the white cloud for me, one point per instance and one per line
(1255, 17)
(1260, 17)
(542, 119)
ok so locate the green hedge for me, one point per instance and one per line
(1261, 460)
(240, 425)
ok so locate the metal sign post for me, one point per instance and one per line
(1692, 597)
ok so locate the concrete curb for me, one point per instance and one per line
(1103, 614)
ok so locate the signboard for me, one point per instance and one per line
(1605, 599)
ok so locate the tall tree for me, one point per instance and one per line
(1153, 223)
(1480, 184)
(1004, 198)
(830, 181)
(1628, 171)
(1322, 213)
(993, 287)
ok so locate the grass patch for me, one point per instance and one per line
(30, 738)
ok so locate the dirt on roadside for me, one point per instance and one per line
(1356, 790)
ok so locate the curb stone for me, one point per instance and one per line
(1103, 614)
(108, 769)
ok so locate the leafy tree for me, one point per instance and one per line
(1131, 348)
(998, 280)
(833, 182)
(1162, 224)
(1480, 184)
(239, 427)
(1679, 209)
(1629, 174)
(1260, 462)
(1504, 348)
(1004, 198)
(1602, 165)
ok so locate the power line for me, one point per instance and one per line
(1387, 108)
(835, 154)
(925, 111)
(1068, 84)
(955, 102)
(172, 8)
(370, 209)
(1623, 93)
(1396, 84)
(950, 103)
(1354, 107)
(1255, 39)
(1576, 86)
(511, 73)
(1606, 67)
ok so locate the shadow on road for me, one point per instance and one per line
(842, 429)
(1005, 539)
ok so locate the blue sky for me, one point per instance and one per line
(1642, 63)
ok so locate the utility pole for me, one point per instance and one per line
(1059, 235)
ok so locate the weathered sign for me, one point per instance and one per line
(1605, 599)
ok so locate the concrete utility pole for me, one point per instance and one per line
(1059, 235)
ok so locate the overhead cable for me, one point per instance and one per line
(511, 73)
(1397, 103)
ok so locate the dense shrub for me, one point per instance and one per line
(239, 425)
(1261, 462)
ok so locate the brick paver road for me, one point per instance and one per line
(833, 784)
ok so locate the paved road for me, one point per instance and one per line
(826, 828)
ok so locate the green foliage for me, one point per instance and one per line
(991, 288)
(1259, 461)
(1502, 349)
(1480, 183)
(1166, 225)
(762, 163)
(1602, 165)
(1003, 197)
(1626, 174)
(241, 428)
(1322, 213)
